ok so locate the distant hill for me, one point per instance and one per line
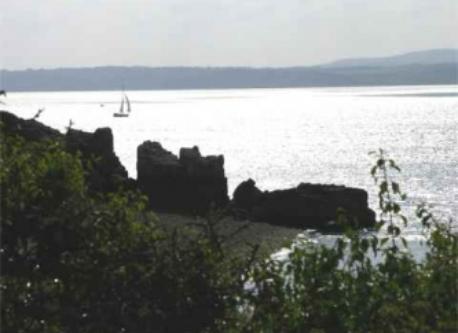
(416, 68)
(428, 57)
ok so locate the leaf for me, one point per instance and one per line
(404, 220)
(390, 229)
(374, 244)
(404, 242)
(394, 165)
(395, 187)
(374, 170)
(383, 187)
(364, 244)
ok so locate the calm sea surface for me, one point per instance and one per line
(281, 137)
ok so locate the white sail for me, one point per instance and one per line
(128, 103)
(123, 113)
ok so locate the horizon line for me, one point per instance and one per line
(231, 66)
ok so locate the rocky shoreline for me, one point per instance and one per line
(193, 184)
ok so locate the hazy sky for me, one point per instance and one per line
(58, 33)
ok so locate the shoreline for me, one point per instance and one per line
(337, 87)
(270, 238)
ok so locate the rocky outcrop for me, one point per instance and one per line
(306, 206)
(189, 183)
(29, 129)
(105, 173)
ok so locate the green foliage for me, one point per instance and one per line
(362, 283)
(74, 261)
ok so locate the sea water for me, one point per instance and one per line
(282, 137)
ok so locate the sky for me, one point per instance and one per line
(260, 33)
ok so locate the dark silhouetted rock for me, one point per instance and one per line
(189, 184)
(192, 183)
(29, 129)
(105, 171)
(247, 195)
(306, 206)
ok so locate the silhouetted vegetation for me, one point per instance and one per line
(78, 261)
(362, 283)
(75, 262)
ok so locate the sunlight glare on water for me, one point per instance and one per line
(281, 137)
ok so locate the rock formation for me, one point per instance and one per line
(188, 184)
(306, 206)
(193, 184)
(29, 129)
(105, 172)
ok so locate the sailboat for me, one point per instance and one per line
(123, 112)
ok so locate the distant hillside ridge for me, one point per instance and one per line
(428, 57)
(416, 68)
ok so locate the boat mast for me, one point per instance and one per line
(121, 109)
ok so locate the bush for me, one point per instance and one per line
(98, 263)
(362, 283)
(74, 261)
